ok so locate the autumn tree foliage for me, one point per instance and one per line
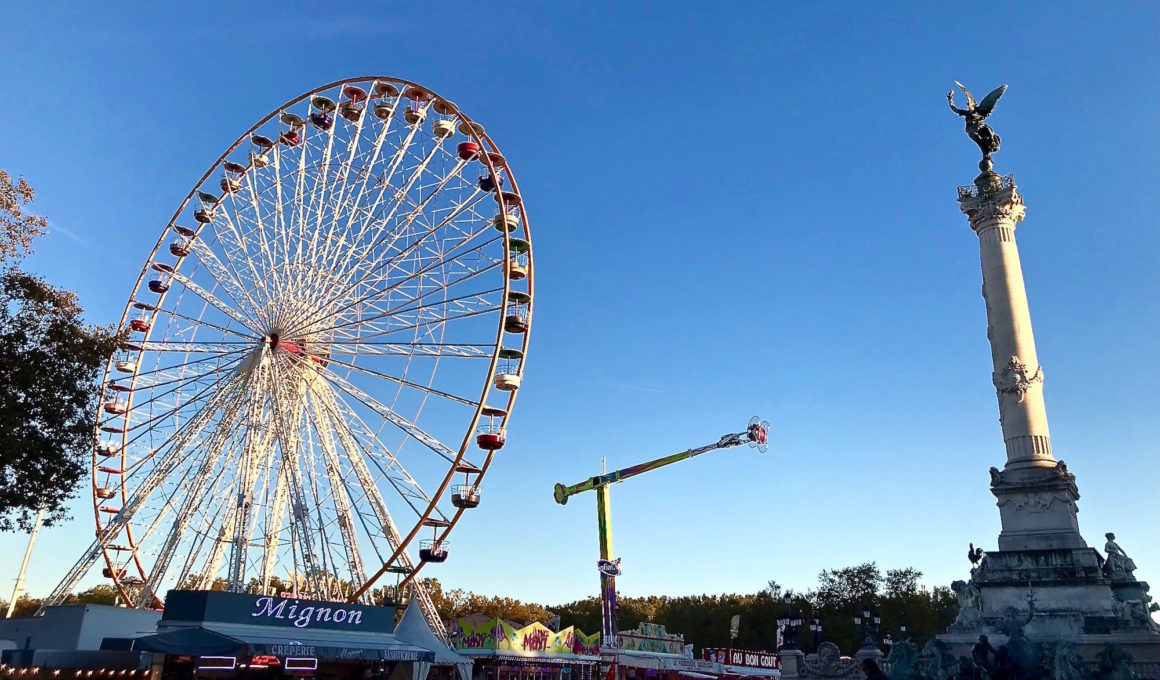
(49, 359)
(18, 227)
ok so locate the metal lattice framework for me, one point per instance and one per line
(331, 327)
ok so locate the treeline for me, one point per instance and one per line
(896, 595)
(839, 595)
(27, 606)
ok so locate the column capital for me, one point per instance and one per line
(999, 202)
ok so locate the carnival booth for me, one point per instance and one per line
(234, 635)
(447, 665)
(651, 653)
(504, 651)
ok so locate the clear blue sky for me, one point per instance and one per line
(737, 209)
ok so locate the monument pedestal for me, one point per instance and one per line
(1037, 506)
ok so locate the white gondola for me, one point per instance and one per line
(507, 372)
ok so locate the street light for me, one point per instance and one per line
(869, 622)
(790, 623)
(816, 629)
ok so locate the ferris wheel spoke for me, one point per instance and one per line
(236, 246)
(384, 221)
(254, 450)
(165, 408)
(212, 398)
(202, 323)
(406, 383)
(286, 420)
(358, 437)
(373, 273)
(402, 191)
(338, 314)
(227, 276)
(347, 234)
(259, 225)
(147, 426)
(418, 276)
(401, 229)
(320, 248)
(193, 498)
(273, 528)
(181, 382)
(380, 270)
(219, 347)
(361, 444)
(422, 302)
(463, 310)
(204, 533)
(330, 567)
(409, 428)
(218, 303)
(165, 467)
(166, 377)
(319, 189)
(163, 375)
(340, 492)
(458, 350)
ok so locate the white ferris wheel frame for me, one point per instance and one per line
(119, 527)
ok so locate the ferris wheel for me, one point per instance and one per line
(319, 358)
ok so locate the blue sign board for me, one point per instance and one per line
(275, 611)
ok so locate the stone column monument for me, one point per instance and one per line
(1044, 580)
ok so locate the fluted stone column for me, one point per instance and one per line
(1036, 495)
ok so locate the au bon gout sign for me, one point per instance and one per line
(263, 610)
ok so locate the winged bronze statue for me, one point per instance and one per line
(975, 114)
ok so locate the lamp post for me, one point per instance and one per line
(816, 629)
(869, 622)
(789, 622)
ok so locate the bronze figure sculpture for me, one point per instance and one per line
(975, 114)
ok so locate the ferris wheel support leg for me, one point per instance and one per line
(341, 500)
(253, 452)
(273, 528)
(358, 463)
(182, 517)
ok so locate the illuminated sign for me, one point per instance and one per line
(216, 663)
(303, 615)
(268, 610)
(301, 664)
(743, 657)
(265, 660)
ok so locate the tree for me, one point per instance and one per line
(17, 227)
(49, 360)
(901, 583)
(100, 594)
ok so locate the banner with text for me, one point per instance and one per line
(495, 634)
